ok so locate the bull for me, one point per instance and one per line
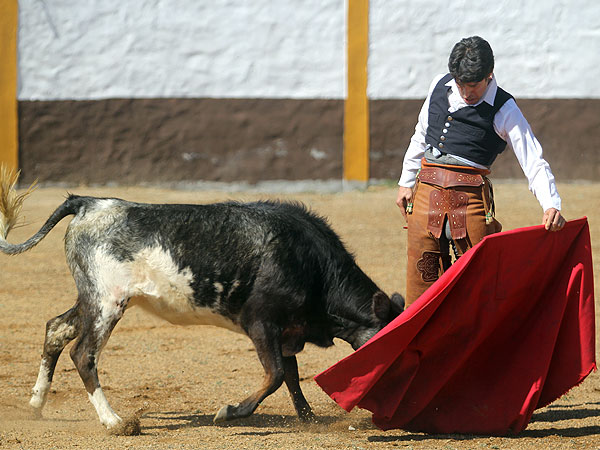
(274, 271)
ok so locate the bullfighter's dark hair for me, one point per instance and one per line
(471, 60)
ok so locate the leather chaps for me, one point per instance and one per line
(451, 205)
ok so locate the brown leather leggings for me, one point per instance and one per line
(461, 197)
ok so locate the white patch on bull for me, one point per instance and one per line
(102, 214)
(60, 331)
(219, 289)
(41, 388)
(154, 282)
(105, 203)
(107, 416)
(234, 286)
(112, 283)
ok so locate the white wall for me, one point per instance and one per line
(543, 49)
(91, 49)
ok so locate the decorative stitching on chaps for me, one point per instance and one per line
(447, 178)
(452, 203)
(429, 266)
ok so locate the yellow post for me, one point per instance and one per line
(8, 83)
(356, 106)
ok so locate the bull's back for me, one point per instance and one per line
(199, 263)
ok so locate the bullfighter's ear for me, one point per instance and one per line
(381, 305)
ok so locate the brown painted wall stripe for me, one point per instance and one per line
(8, 83)
(162, 140)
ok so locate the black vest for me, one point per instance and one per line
(468, 132)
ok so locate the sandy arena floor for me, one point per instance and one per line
(182, 376)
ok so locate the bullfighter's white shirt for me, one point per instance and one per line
(509, 124)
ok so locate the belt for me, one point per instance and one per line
(442, 177)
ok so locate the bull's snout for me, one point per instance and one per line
(362, 336)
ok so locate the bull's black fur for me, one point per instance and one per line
(280, 248)
(274, 269)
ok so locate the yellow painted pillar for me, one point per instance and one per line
(356, 106)
(9, 12)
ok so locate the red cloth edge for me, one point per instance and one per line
(421, 312)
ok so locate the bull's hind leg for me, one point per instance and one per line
(292, 381)
(59, 332)
(267, 343)
(86, 352)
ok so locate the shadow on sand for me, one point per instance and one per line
(278, 424)
(549, 414)
(177, 420)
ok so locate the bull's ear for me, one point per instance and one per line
(381, 305)
(397, 303)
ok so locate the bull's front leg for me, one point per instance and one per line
(292, 381)
(266, 339)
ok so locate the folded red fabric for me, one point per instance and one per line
(509, 328)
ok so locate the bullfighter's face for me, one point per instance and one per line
(472, 92)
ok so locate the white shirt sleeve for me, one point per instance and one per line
(511, 125)
(416, 148)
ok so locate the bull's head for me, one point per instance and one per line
(357, 329)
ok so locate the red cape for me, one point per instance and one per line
(509, 328)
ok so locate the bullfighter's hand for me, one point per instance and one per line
(403, 199)
(553, 220)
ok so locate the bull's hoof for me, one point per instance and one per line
(226, 413)
(307, 417)
(127, 427)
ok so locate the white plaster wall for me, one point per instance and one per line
(91, 49)
(543, 49)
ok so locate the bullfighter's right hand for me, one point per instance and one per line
(403, 199)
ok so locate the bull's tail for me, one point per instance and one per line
(10, 207)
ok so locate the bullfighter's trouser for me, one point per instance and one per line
(454, 198)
